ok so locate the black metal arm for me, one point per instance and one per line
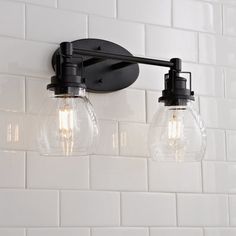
(128, 59)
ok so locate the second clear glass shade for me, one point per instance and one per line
(177, 133)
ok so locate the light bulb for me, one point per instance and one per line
(175, 128)
(68, 125)
(177, 133)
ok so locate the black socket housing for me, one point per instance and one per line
(176, 92)
(68, 73)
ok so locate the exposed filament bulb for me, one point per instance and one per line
(175, 127)
(176, 139)
(66, 126)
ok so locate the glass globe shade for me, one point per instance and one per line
(177, 133)
(68, 125)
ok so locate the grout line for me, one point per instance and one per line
(198, 47)
(87, 26)
(202, 178)
(222, 18)
(176, 210)
(128, 226)
(172, 14)
(203, 231)
(116, 10)
(25, 95)
(121, 220)
(26, 168)
(226, 147)
(228, 206)
(59, 208)
(145, 40)
(224, 84)
(148, 174)
(146, 106)
(25, 9)
(89, 174)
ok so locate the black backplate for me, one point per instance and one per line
(101, 76)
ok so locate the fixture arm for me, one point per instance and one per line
(103, 66)
(174, 63)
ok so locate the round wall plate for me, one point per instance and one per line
(105, 75)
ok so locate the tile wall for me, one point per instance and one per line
(118, 191)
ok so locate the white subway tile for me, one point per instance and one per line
(229, 14)
(197, 15)
(232, 210)
(29, 58)
(133, 139)
(219, 177)
(12, 169)
(122, 231)
(176, 232)
(150, 77)
(148, 209)
(107, 141)
(231, 147)
(18, 131)
(152, 104)
(90, 208)
(206, 80)
(12, 232)
(101, 7)
(12, 22)
(220, 231)
(232, 2)
(54, 173)
(218, 113)
(175, 177)
(154, 12)
(129, 35)
(125, 105)
(49, 3)
(113, 173)
(215, 149)
(217, 50)
(28, 208)
(37, 95)
(58, 232)
(169, 43)
(12, 93)
(202, 210)
(65, 26)
(230, 83)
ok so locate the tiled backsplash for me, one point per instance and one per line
(118, 191)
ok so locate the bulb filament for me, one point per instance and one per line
(176, 139)
(66, 125)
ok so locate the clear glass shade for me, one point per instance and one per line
(68, 125)
(177, 133)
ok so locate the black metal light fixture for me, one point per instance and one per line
(100, 66)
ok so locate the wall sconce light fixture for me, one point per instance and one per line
(100, 66)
